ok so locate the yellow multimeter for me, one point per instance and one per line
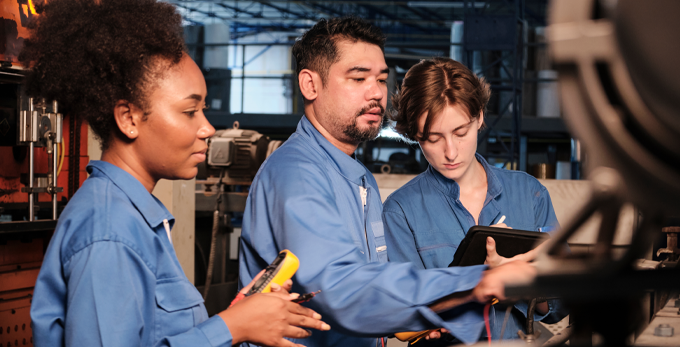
(279, 271)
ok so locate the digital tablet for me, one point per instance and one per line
(509, 243)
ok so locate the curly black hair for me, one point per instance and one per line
(88, 54)
(316, 49)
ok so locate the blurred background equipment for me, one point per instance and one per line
(233, 158)
(40, 156)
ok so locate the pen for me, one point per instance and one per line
(501, 220)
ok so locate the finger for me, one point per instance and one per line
(434, 335)
(287, 343)
(303, 311)
(444, 331)
(282, 294)
(276, 288)
(250, 285)
(296, 333)
(288, 285)
(307, 322)
(491, 247)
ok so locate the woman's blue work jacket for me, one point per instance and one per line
(425, 222)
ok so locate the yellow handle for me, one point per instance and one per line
(413, 336)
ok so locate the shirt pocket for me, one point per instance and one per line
(380, 244)
(436, 248)
(179, 307)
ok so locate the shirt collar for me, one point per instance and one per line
(450, 187)
(153, 211)
(348, 166)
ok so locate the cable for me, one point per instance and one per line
(487, 308)
(213, 240)
(61, 156)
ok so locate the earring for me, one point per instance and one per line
(132, 132)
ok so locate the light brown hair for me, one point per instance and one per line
(430, 86)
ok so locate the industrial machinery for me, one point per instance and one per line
(40, 155)
(233, 158)
(620, 87)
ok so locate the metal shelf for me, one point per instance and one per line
(26, 229)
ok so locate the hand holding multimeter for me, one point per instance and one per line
(278, 273)
(261, 314)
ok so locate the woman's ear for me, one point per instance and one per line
(127, 117)
(481, 121)
(310, 84)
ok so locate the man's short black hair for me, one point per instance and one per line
(317, 49)
(88, 54)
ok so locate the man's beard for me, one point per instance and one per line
(353, 132)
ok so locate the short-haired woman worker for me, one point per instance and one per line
(441, 105)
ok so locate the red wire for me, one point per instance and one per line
(382, 341)
(487, 308)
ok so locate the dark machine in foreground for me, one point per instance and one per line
(620, 88)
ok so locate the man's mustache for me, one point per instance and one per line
(369, 107)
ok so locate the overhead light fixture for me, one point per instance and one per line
(447, 4)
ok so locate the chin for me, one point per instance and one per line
(186, 174)
(454, 174)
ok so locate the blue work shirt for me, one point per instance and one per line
(425, 222)
(110, 276)
(324, 206)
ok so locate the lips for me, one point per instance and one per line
(200, 154)
(373, 114)
(452, 166)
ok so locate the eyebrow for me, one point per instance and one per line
(365, 69)
(195, 97)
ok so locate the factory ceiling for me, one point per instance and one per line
(405, 21)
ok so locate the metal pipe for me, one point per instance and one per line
(33, 138)
(243, 80)
(55, 165)
(31, 203)
(56, 133)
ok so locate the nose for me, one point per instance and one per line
(376, 91)
(206, 129)
(451, 150)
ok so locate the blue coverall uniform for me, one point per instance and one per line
(324, 206)
(110, 276)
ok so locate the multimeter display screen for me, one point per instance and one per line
(268, 275)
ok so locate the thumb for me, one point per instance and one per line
(490, 246)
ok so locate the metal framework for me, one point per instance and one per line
(415, 30)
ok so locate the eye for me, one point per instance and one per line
(462, 134)
(433, 139)
(359, 79)
(191, 113)
(382, 81)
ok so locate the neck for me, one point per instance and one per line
(474, 177)
(346, 147)
(121, 155)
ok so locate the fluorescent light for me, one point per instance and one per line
(448, 4)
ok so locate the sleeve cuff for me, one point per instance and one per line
(216, 331)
